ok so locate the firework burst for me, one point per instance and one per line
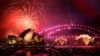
(22, 14)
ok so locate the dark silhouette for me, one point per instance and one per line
(24, 33)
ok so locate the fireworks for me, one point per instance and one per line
(85, 38)
(22, 14)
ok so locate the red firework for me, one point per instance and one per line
(20, 17)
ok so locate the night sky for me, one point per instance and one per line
(84, 12)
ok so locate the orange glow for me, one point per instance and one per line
(85, 38)
(61, 41)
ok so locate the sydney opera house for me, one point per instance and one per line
(49, 28)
